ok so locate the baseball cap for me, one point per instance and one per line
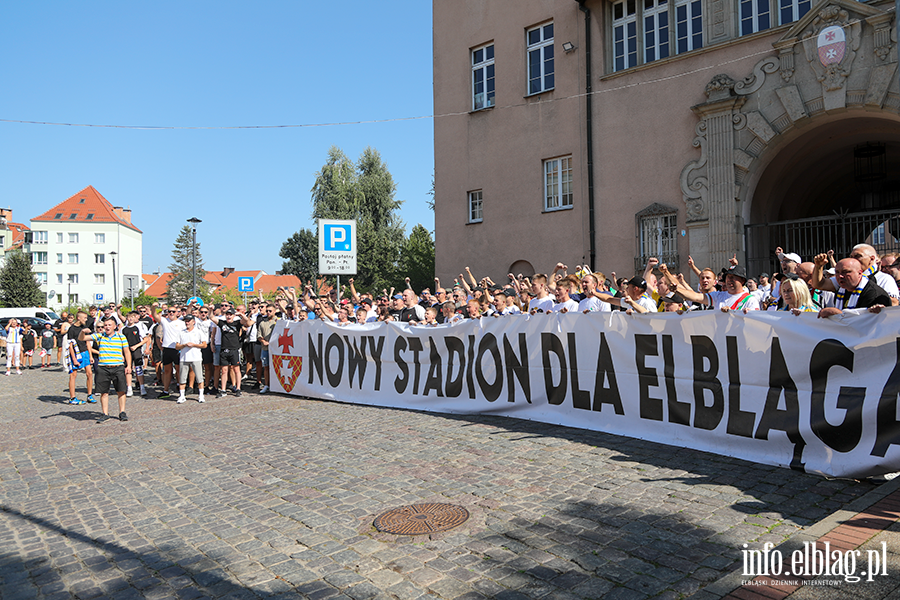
(737, 271)
(761, 275)
(188, 317)
(366, 301)
(637, 282)
(230, 311)
(398, 296)
(793, 257)
(673, 298)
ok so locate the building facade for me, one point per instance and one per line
(85, 251)
(605, 132)
(12, 235)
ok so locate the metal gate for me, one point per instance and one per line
(808, 237)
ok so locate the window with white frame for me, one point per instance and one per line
(59, 278)
(39, 237)
(59, 258)
(2, 241)
(483, 77)
(99, 278)
(72, 278)
(656, 30)
(540, 51)
(658, 236)
(792, 10)
(73, 259)
(476, 199)
(39, 258)
(558, 183)
(99, 238)
(688, 25)
(73, 238)
(642, 30)
(40, 277)
(73, 298)
(99, 259)
(755, 15)
(59, 237)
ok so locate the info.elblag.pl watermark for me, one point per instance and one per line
(814, 560)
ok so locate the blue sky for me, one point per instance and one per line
(212, 64)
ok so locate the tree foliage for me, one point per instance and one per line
(179, 287)
(417, 259)
(363, 191)
(18, 286)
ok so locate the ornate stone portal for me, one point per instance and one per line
(851, 63)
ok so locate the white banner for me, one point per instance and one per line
(812, 394)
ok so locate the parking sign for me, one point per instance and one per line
(245, 284)
(337, 247)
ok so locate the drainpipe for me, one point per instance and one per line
(589, 88)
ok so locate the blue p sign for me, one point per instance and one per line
(245, 284)
(337, 238)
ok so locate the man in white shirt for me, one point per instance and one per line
(563, 302)
(542, 299)
(190, 344)
(172, 328)
(590, 303)
(733, 297)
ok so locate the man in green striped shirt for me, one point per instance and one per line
(114, 362)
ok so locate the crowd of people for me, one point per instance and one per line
(213, 349)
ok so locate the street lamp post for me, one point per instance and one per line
(193, 221)
(115, 291)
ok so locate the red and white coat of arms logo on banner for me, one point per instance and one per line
(831, 44)
(287, 368)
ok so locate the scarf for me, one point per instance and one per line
(842, 301)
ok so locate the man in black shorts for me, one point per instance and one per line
(78, 358)
(113, 364)
(229, 356)
(171, 331)
(138, 336)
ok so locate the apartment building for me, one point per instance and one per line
(85, 250)
(604, 132)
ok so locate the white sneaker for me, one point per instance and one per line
(264, 389)
(201, 399)
(18, 372)
(180, 400)
(129, 392)
(143, 391)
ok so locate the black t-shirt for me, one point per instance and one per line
(231, 333)
(57, 325)
(133, 335)
(412, 313)
(28, 339)
(73, 333)
(89, 323)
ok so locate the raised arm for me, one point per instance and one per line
(678, 284)
(472, 277)
(693, 267)
(819, 280)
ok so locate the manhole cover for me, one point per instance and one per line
(418, 519)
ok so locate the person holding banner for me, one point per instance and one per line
(854, 289)
(733, 297)
(796, 296)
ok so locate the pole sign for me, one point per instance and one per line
(245, 284)
(337, 247)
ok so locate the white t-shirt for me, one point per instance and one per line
(195, 336)
(171, 330)
(570, 306)
(724, 299)
(645, 301)
(545, 303)
(594, 304)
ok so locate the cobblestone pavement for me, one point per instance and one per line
(275, 496)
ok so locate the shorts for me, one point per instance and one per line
(170, 356)
(196, 367)
(230, 357)
(264, 357)
(82, 359)
(137, 362)
(257, 352)
(155, 355)
(110, 376)
(207, 355)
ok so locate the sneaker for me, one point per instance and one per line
(18, 372)
(75, 401)
(143, 391)
(91, 399)
(123, 416)
(164, 396)
(201, 399)
(264, 389)
(102, 419)
(220, 394)
(232, 388)
(129, 392)
(238, 394)
(8, 373)
(180, 400)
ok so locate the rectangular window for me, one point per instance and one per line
(756, 15)
(99, 278)
(540, 59)
(659, 237)
(475, 207)
(99, 238)
(878, 235)
(558, 183)
(73, 238)
(90, 216)
(688, 25)
(2, 241)
(59, 259)
(625, 54)
(73, 298)
(59, 278)
(483, 77)
(73, 216)
(99, 259)
(59, 238)
(73, 278)
(792, 10)
(40, 277)
(39, 237)
(73, 259)
(58, 216)
(656, 30)
(39, 258)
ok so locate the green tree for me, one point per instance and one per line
(180, 285)
(18, 286)
(417, 259)
(301, 254)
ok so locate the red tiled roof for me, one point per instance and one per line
(18, 233)
(157, 284)
(87, 206)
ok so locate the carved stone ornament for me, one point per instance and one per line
(695, 189)
(832, 66)
(719, 87)
(757, 78)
